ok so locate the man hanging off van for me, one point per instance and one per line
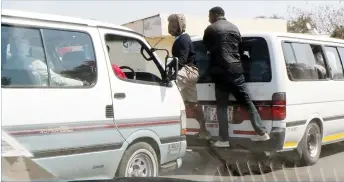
(222, 39)
(188, 74)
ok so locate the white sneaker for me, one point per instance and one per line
(264, 137)
(221, 144)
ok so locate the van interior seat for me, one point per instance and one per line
(297, 71)
(71, 60)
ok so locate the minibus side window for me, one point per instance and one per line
(23, 61)
(70, 57)
(304, 61)
(133, 57)
(32, 58)
(341, 53)
(202, 62)
(289, 57)
(255, 60)
(335, 65)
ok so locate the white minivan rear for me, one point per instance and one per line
(263, 87)
(295, 82)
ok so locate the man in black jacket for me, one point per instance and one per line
(188, 74)
(222, 39)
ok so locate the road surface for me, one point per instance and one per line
(328, 168)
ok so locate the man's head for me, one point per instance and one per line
(215, 13)
(176, 24)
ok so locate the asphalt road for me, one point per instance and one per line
(206, 168)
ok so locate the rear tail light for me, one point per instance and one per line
(279, 111)
(183, 122)
(276, 110)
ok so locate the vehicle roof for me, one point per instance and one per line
(282, 34)
(59, 18)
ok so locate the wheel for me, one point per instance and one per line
(311, 145)
(139, 160)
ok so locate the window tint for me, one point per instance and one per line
(341, 53)
(289, 59)
(288, 53)
(304, 61)
(134, 59)
(334, 63)
(71, 58)
(256, 60)
(32, 57)
(202, 61)
(22, 58)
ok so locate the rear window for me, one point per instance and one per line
(255, 60)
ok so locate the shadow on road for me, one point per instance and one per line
(332, 149)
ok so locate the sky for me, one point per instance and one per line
(120, 12)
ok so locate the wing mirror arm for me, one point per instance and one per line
(170, 69)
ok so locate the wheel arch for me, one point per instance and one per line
(147, 136)
(316, 118)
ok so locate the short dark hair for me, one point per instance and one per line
(217, 10)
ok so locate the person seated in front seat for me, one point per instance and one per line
(116, 69)
(21, 60)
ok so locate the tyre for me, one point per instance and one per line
(310, 145)
(139, 160)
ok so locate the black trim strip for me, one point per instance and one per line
(331, 118)
(296, 123)
(172, 139)
(79, 150)
(302, 122)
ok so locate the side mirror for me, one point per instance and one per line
(171, 65)
(171, 68)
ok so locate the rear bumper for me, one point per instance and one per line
(277, 136)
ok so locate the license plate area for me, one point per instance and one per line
(211, 113)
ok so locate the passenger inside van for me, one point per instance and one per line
(22, 60)
(319, 62)
(116, 69)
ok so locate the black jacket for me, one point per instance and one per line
(184, 50)
(223, 40)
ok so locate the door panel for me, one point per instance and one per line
(147, 104)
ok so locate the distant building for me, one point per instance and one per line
(155, 28)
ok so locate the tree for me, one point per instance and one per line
(324, 18)
(296, 25)
(338, 32)
(299, 25)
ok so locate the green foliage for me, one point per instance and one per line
(326, 19)
(338, 32)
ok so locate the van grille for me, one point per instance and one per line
(109, 111)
